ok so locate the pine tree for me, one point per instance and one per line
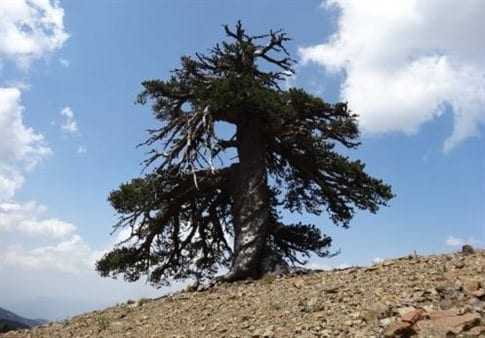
(196, 212)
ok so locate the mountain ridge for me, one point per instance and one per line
(11, 321)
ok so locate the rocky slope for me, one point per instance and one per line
(433, 296)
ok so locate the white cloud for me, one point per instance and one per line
(10, 181)
(20, 144)
(30, 29)
(404, 60)
(69, 125)
(70, 256)
(26, 219)
(21, 147)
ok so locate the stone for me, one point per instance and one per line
(458, 285)
(413, 316)
(348, 323)
(141, 302)
(446, 304)
(471, 285)
(459, 265)
(331, 289)
(386, 322)
(399, 329)
(375, 311)
(191, 287)
(476, 331)
(351, 270)
(443, 325)
(429, 308)
(443, 314)
(480, 294)
(299, 283)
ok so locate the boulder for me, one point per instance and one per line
(471, 285)
(413, 316)
(443, 325)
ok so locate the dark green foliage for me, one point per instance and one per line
(10, 325)
(183, 213)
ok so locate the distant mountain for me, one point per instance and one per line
(54, 309)
(11, 321)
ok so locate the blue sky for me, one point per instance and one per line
(69, 125)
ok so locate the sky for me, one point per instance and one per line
(70, 72)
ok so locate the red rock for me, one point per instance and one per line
(413, 316)
(443, 325)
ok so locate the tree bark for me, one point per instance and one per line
(252, 209)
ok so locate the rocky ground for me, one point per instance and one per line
(432, 296)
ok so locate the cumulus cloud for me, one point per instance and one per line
(71, 256)
(69, 124)
(405, 61)
(21, 147)
(10, 181)
(27, 219)
(30, 29)
(20, 144)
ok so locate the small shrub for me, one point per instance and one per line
(102, 322)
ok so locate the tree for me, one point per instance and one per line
(187, 210)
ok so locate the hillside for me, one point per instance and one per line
(9, 325)
(432, 296)
(11, 321)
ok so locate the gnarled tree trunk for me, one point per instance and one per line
(251, 209)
